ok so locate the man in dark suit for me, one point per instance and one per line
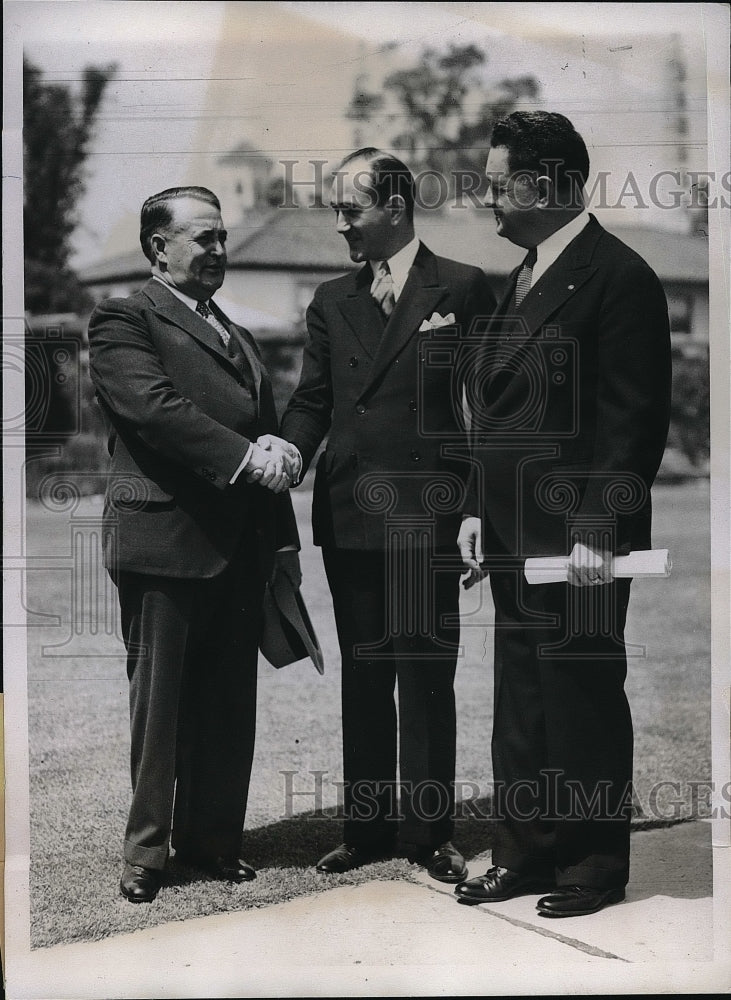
(386, 509)
(570, 416)
(189, 542)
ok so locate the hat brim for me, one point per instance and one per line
(287, 634)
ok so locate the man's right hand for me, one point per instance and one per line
(469, 543)
(267, 469)
(279, 451)
(291, 455)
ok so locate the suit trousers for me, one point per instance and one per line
(192, 652)
(562, 731)
(390, 611)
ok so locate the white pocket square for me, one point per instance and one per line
(435, 320)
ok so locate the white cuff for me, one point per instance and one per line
(298, 477)
(243, 465)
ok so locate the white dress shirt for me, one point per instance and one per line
(399, 265)
(551, 249)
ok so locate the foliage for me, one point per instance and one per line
(57, 129)
(444, 110)
(690, 411)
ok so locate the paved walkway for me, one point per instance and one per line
(405, 939)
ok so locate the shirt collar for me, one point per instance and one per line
(556, 243)
(185, 299)
(400, 264)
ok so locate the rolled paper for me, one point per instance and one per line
(644, 562)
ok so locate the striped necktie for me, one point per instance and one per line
(204, 310)
(382, 289)
(234, 350)
(525, 276)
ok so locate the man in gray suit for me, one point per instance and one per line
(189, 541)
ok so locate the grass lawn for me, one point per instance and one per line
(79, 740)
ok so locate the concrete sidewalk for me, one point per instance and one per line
(406, 939)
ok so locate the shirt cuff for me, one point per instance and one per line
(243, 465)
(298, 477)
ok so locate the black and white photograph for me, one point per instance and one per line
(366, 489)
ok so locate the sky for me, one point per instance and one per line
(196, 78)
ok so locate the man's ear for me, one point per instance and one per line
(157, 242)
(396, 207)
(544, 191)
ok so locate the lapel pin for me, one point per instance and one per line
(571, 288)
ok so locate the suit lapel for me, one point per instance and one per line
(246, 342)
(361, 312)
(554, 288)
(503, 306)
(419, 298)
(170, 308)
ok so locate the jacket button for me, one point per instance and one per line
(353, 362)
(412, 405)
(415, 456)
(360, 409)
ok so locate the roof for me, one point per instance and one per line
(305, 239)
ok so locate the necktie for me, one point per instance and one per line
(382, 289)
(233, 349)
(525, 276)
(204, 310)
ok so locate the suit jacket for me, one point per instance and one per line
(180, 420)
(390, 398)
(574, 398)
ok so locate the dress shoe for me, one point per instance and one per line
(227, 869)
(443, 863)
(346, 857)
(138, 884)
(577, 901)
(499, 884)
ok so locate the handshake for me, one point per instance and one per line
(273, 463)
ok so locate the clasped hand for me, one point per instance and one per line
(273, 463)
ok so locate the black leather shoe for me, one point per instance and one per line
(346, 857)
(443, 863)
(227, 869)
(577, 901)
(138, 884)
(499, 884)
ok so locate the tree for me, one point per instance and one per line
(57, 129)
(443, 110)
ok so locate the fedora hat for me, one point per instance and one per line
(287, 634)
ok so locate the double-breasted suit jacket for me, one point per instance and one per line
(386, 503)
(569, 427)
(389, 412)
(189, 553)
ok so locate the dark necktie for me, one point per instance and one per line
(525, 276)
(382, 289)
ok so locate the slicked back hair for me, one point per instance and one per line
(156, 213)
(548, 143)
(388, 176)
